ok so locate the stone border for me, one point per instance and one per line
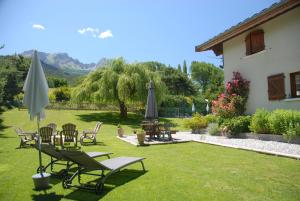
(268, 137)
(255, 150)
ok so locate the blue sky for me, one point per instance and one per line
(139, 30)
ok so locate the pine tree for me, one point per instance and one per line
(184, 67)
(179, 67)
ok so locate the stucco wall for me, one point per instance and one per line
(281, 55)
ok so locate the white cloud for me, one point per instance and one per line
(88, 30)
(38, 27)
(94, 32)
(81, 31)
(105, 34)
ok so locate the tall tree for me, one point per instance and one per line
(179, 67)
(210, 78)
(184, 67)
(121, 84)
(13, 70)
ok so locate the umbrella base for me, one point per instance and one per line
(41, 182)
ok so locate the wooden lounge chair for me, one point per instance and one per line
(25, 137)
(46, 134)
(58, 159)
(90, 134)
(68, 134)
(87, 164)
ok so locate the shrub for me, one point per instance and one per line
(233, 101)
(237, 124)
(210, 118)
(62, 94)
(196, 123)
(291, 132)
(283, 120)
(213, 129)
(259, 122)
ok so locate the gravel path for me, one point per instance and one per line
(271, 147)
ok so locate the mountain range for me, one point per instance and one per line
(63, 66)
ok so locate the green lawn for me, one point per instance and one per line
(187, 171)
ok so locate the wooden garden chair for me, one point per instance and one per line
(90, 134)
(25, 137)
(68, 134)
(46, 134)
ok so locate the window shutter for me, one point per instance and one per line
(257, 41)
(248, 44)
(293, 85)
(276, 89)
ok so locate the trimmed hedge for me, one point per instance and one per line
(281, 122)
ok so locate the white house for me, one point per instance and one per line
(265, 49)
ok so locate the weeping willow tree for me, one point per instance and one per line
(120, 84)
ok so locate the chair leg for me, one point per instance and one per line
(143, 166)
(81, 140)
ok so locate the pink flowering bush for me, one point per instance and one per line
(233, 101)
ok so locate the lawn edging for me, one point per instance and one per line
(268, 137)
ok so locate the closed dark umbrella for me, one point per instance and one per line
(151, 109)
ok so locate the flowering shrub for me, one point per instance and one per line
(233, 101)
(196, 123)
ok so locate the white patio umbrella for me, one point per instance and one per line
(36, 96)
(193, 108)
(151, 109)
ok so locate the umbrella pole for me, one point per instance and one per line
(39, 142)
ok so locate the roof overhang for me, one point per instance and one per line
(216, 43)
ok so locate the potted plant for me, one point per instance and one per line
(120, 130)
(141, 137)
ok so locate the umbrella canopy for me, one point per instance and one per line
(36, 89)
(36, 94)
(151, 109)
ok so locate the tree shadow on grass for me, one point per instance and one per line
(113, 118)
(112, 182)
(133, 120)
(47, 196)
(2, 127)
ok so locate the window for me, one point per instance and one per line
(295, 84)
(255, 42)
(276, 89)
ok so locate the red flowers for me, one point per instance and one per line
(233, 102)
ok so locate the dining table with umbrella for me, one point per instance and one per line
(150, 125)
(36, 99)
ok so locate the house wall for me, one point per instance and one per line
(281, 55)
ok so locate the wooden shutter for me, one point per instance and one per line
(276, 88)
(248, 44)
(257, 41)
(294, 84)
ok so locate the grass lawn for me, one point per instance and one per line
(187, 171)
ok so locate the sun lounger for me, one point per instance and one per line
(59, 159)
(87, 164)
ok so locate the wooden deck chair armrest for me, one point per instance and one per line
(88, 132)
